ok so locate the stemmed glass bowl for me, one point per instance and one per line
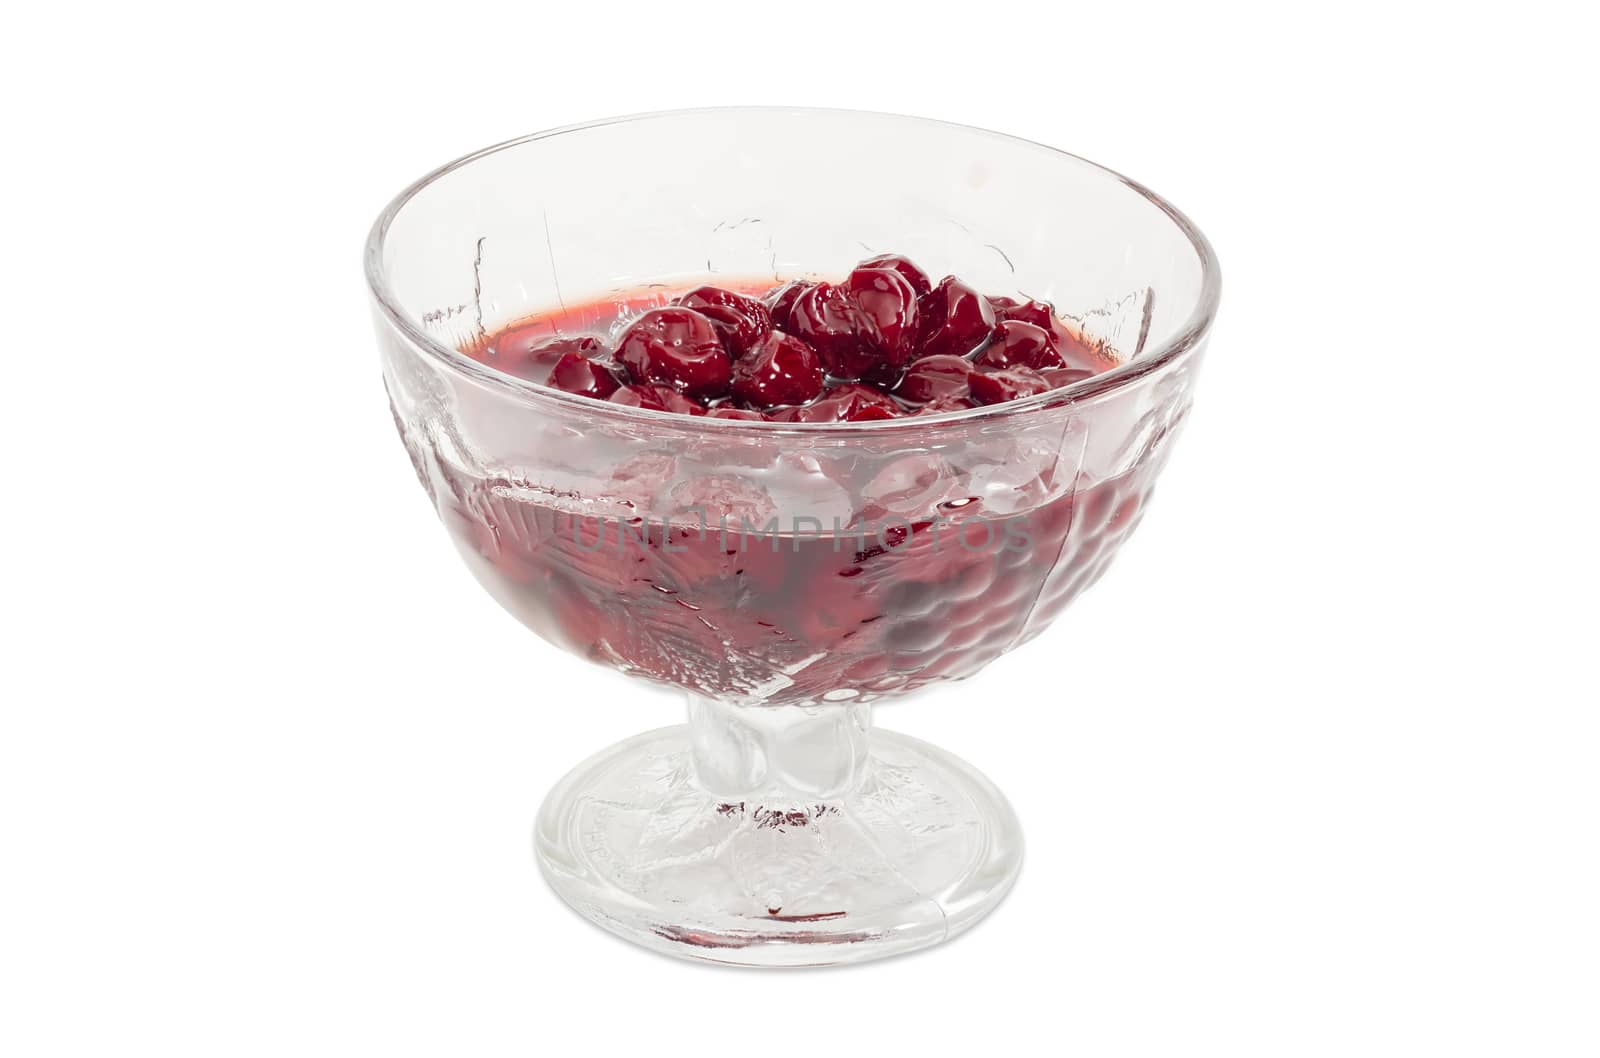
(785, 577)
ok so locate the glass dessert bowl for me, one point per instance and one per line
(787, 567)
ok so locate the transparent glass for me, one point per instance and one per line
(787, 577)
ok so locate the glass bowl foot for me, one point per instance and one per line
(912, 849)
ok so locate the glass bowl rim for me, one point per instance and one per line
(1124, 376)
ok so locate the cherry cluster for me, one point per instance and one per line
(886, 342)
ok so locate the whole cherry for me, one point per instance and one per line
(677, 347)
(936, 377)
(1018, 344)
(956, 320)
(825, 317)
(739, 321)
(1074, 350)
(780, 302)
(780, 370)
(886, 311)
(576, 373)
(916, 277)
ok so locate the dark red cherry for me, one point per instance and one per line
(920, 283)
(997, 387)
(576, 373)
(886, 311)
(676, 347)
(781, 370)
(956, 320)
(1073, 349)
(656, 398)
(935, 377)
(1018, 344)
(728, 411)
(851, 402)
(780, 302)
(826, 318)
(739, 321)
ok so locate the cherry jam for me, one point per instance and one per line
(938, 562)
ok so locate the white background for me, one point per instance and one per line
(1311, 772)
